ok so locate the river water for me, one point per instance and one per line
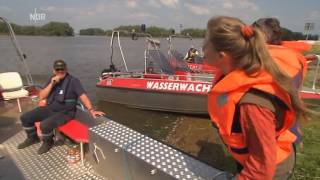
(87, 56)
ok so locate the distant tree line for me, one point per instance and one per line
(64, 29)
(199, 33)
(194, 32)
(286, 34)
(152, 30)
(50, 29)
(289, 35)
(92, 31)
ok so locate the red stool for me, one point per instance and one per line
(75, 130)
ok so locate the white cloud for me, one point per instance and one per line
(48, 9)
(141, 16)
(197, 9)
(97, 10)
(314, 15)
(101, 9)
(69, 10)
(247, 4)
(5, 8)
(170, 3)
(131, 3)
(154, 3)
(227, 5)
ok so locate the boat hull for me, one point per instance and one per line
(154, 100)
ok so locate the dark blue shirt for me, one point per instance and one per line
(72, 93)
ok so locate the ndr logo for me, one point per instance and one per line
(37, 16)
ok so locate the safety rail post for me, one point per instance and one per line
(120, 47)
(316, 73)
(21, 55)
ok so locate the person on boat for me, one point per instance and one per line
(191, 55)
(284, 52)
(254, 103)
(287, 54)
(61, 94)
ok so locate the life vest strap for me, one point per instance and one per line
(240, 150)
(263, 99)
(70, 100)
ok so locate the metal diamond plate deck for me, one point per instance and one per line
(161, 156)
(49, 166)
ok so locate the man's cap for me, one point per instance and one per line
(59, 64)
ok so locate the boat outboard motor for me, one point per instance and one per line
(112, 68)
(134, 35)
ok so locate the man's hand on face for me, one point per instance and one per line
(55, 79)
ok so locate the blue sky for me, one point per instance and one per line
(107, 14)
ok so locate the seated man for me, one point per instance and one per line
(191, 55)
(61, 92)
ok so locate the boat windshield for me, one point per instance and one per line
(163, 64)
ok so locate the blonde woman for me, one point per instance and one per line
(253, 104)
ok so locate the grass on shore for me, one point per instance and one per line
(308, 156)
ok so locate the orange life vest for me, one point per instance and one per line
(297, 45)
(224, 97)
(290, 61)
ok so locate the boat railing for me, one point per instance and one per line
(151, 44)
(142, 75)
(113, 35)
(315, 78)
(21, 55)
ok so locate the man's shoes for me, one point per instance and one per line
(45, 147)
(28, 142)
(59, 142)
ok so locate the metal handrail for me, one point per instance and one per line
(21, 55)
(177, 36)
(171, 77)
(119, 44)
(151, 43)
(316, 73)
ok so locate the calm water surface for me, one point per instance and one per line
(87, 56)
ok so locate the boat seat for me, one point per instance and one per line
(12, 87)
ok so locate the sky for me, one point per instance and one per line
(108, 14)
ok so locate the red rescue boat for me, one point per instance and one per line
(165, 84)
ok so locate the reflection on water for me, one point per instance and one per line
(191, 134)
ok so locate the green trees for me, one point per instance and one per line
(198, 33)
(158, 31)
(153, 30)
(92, 31)
(50, 29)
(64, 29)
(126, 30)
(289, 35)
(57, 29)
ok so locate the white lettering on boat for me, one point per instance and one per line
(175, 86)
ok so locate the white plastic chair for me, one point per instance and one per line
(12, 87)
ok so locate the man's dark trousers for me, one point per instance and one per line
(49, 120)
